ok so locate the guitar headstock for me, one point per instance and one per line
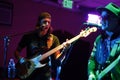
(87, 31)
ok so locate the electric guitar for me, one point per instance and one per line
(25, 69)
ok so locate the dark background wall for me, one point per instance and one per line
(75, 64)
(24, 17)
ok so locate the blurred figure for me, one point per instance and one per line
(106, 46)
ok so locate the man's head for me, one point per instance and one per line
(110, 15)
(44, 21)
(44, 15)
(41, 17)
(111, 8)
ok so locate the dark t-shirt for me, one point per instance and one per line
(36, 45)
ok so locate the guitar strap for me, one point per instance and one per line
(115, 49)
(49, 41)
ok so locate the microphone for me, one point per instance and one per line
(41, 26)
(92, 24)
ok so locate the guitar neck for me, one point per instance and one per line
(82, 34)
(110, 67)
(45, 55)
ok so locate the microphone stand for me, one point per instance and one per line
(6, 43)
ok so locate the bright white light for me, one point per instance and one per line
(93, 18)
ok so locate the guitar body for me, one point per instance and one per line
(25, 69)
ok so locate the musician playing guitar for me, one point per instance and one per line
(42, 48)
(37, 43)
(104, 60)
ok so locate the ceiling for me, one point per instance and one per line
(95, 3)
(78, 3)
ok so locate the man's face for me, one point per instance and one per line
(45, 24)
(108, 21)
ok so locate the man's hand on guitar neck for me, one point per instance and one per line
(66, 45)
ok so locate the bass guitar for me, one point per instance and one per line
(25, 69)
